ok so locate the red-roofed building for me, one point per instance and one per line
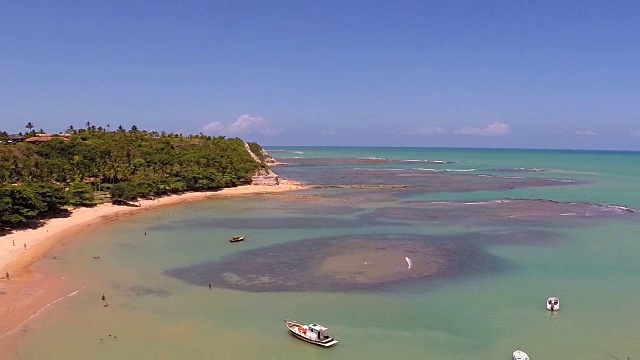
(40, 138)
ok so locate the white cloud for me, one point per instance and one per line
(495, 129)
(245, 124)
(270, 131)
(214, 127)
(427, 131)
(327, 132)
(585, 132)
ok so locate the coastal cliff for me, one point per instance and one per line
(263, 176)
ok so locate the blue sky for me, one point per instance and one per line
(526, 74)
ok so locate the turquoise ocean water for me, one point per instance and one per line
(592, 265)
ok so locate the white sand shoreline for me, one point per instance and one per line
(14, 259)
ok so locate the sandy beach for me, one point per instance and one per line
(21, 248)
(27, 292)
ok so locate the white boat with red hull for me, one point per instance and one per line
(311, 333)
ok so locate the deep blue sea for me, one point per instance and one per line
(508, 249)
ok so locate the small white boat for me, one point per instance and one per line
(520, 355)
(312, 333)
(553, 303)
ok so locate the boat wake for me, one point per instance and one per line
(40, 312)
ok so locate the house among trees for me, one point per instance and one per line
(40, 138)
(15, 138)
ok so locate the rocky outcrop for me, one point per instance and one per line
(265, 176)
(267, 158)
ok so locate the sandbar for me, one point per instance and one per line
(345, 264)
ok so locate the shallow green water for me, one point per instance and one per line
(591, 265)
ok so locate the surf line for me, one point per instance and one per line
(40, 311)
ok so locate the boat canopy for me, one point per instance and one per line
(317, 327)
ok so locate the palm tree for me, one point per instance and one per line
(29, 126)
(71, 129)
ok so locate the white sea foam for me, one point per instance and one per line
(484, 202)
(370, 169)
(426, 161)
(40, 312)
(284, 151)
(563, 180)
(617, 207)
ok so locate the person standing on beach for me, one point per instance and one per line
(8, 279)
(25, 246)
(14, 242)
(209, 283)
(103, 297)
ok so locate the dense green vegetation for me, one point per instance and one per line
(257, 150)
(37, 180)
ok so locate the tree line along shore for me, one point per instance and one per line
(41, 174)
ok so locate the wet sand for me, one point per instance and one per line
(25, 298)
(360, 261)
